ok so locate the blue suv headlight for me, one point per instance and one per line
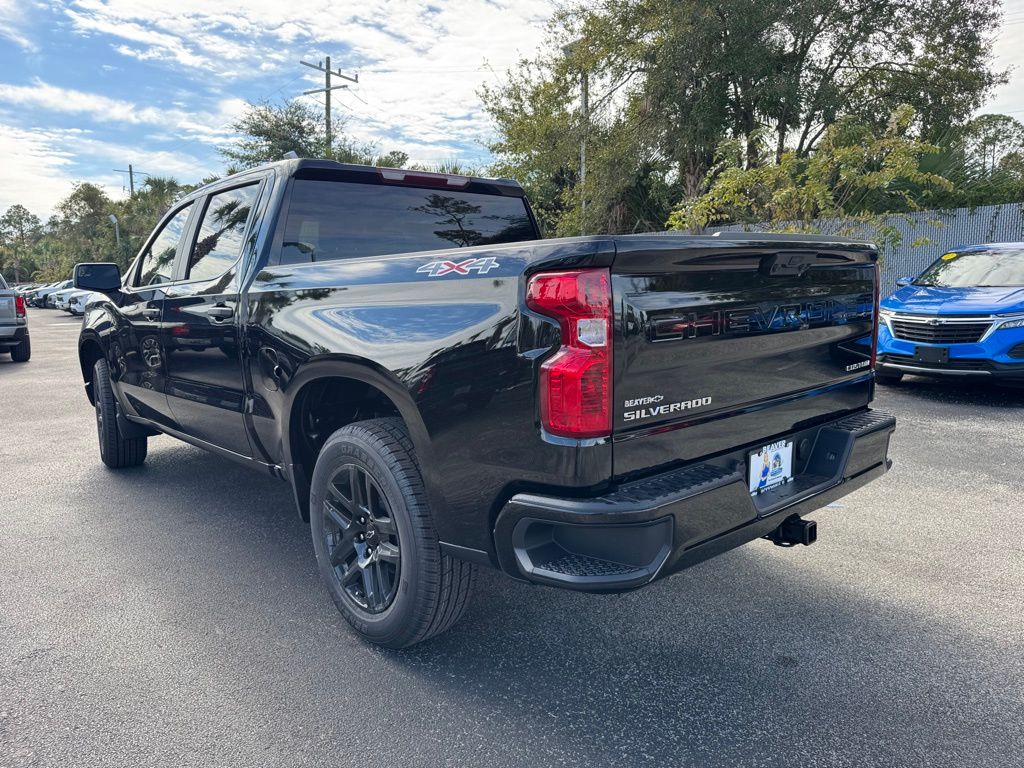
(1015, 322)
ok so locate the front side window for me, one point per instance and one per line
(158, 259)
(977, 269)
(219, 243)
(330, 220)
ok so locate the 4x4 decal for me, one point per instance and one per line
(441, 268)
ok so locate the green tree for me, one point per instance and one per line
(20, 230)
(671, 79)
(988, 139)
(852, 178)
(984, 160)
(268, 131)
(139, 214)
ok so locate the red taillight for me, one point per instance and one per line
(575, 383)
(874, 328)
(19, 306)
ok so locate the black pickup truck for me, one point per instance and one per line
(443, 389)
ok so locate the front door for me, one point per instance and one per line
(138, 369)
(205, 386)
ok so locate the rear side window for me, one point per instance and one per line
(221, 233)
(158, 260)
(330, 220)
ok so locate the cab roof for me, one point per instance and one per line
(305, 168)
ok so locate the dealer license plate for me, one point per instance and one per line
(770, 466)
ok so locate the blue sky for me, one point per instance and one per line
(88, 86)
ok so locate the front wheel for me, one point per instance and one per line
(374, 538)
(116, 451)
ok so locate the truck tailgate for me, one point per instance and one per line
(7, 309)
(724, 342)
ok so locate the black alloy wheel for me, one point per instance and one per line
(362, 539)
(373, 534)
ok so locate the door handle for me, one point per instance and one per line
(220, 312)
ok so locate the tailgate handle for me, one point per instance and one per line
(787, 264)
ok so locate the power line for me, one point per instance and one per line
(131, 177)
(325, 67)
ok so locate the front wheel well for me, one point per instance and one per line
(88, 354)
(322, 407)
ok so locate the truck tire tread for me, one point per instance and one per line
(116, 451)
(446, 582)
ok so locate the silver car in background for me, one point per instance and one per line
(59, 299)
(77, 301)
(13, 324)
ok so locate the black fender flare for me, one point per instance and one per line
(374, 375)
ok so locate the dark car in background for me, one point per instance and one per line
(962, 317)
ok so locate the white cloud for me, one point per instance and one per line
(39, 167)
(421, 62)
(35, 171)
(210, 127)
(12, 21)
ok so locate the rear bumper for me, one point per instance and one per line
(649, 528)
(12, 336)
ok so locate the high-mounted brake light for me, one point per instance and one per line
(19, 306)
(422, 178)
(575, 382)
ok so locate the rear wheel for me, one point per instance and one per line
(22, 352)
(888, 377)
(116, 451)
(374, 538)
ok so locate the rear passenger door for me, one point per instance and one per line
(205, 386)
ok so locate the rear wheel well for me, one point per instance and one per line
(88, 354)
(320, 409)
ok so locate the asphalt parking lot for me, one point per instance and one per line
(171, 615)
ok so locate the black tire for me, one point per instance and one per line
(888, 378)
(422, 592)
(116, 451)
(22, 352)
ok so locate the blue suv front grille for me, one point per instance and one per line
(938, 330)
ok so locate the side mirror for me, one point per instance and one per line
(903, 282)
(102, 277)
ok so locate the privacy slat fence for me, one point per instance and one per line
(929, 234)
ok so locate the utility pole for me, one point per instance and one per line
(585, 106)
(325, 67)
(131, 177)
(568, 51)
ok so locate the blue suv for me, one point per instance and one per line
(963, 316)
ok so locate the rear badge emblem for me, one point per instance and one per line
(441, 268)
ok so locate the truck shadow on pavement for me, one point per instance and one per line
(751, 659)
(958, 392)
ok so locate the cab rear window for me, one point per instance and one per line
(329, 220)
